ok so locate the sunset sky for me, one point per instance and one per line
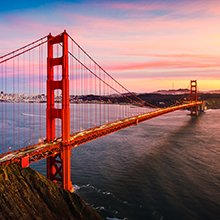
(146, 45)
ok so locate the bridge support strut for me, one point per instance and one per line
(58, 165)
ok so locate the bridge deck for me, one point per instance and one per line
(46, 149)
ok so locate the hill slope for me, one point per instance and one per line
(26, 194)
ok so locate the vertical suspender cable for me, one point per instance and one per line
(18, 107)
(13, 117)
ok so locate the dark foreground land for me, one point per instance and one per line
(26, 194)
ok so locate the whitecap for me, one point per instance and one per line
(76, 187)
(32, 115)
(109, 218)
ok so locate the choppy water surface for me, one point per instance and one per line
(165, 168)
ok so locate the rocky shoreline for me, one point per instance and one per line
(26, 194)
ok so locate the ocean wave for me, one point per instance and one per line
(33, 115)
(76, 187)
(109, 218)
(100, 191)
(100, 208)
(96, 189)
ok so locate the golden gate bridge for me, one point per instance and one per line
(76, 107)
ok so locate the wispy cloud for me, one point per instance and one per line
(164, 65)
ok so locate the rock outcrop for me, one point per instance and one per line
(26, 194)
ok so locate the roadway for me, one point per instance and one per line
(45, 149)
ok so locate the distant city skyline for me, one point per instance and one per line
(146, 45)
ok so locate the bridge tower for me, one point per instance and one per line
(193, 97)
(58, 166)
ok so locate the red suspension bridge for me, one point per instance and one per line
(81, 104)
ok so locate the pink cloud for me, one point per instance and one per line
(180, 7)
(131, 43)
(135, 6)
(163, 65)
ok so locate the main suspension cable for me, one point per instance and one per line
(143, 103)
(22, 48)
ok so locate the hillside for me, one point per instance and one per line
(26, 194)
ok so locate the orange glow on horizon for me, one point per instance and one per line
(152, 85)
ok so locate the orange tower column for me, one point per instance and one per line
(193, 97)
(59, 165)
